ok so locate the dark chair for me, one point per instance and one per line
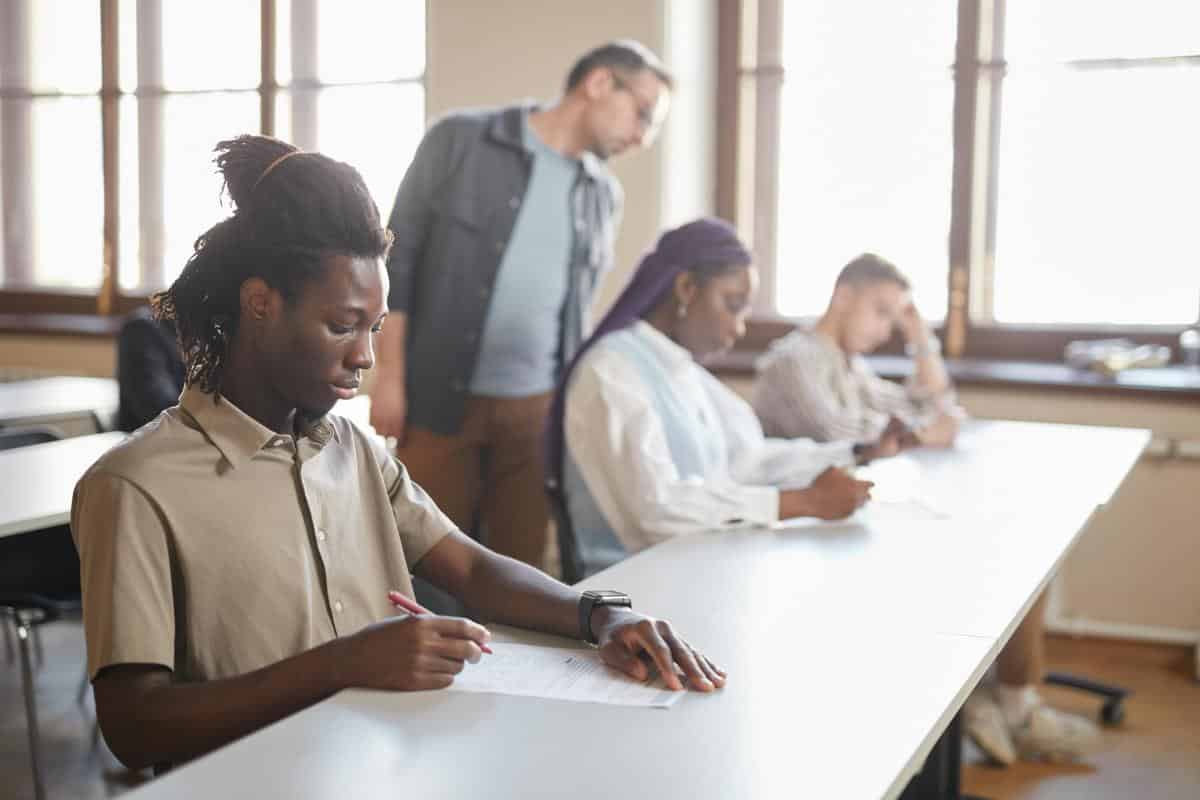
(580, 559)
(24, 612)
(1113, 710)
(11, 438)
(39, 583)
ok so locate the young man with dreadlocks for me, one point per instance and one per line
(238, 551)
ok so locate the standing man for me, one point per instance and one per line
(503, 224)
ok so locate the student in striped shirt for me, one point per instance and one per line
(814, 382)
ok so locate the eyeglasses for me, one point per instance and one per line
(645, 109)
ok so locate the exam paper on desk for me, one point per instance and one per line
(558, 673)
(889, 508)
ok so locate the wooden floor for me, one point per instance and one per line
(1155, 754)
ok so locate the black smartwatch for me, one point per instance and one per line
(598, 597)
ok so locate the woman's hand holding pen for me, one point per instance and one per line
(835, 494)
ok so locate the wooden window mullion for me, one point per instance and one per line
(268, 86)
(110, 97)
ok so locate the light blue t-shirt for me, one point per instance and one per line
(519, 349)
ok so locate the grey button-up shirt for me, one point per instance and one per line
(453, 216)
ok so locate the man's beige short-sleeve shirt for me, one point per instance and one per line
(214, 546)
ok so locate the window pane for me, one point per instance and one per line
(127, 46)
(283, 42)
(381, 150)
(211, 45)
(1097, 205)
(180, 194)
(370, 40)
(65, 46)
(283, 116)
(129, 273)
(194, 125)
(865, 147)
(1043, 33)
(3, 190)
(53, 195)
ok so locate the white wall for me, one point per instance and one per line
(1134, 571)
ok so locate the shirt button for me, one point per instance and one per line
(320, 535)
(337, 606)
(499, 247)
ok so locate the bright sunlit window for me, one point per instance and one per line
(1096, 217)
(349, 77)
(865, 146)
(1078, 123)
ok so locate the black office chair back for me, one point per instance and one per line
(11, 438)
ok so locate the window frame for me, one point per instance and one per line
(74, 311)
(749, 88)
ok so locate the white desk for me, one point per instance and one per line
(58, 400)
(36, 482)
(850, 648)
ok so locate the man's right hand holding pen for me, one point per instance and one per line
(413, 652)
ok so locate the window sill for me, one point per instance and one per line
(1173, 382)
(82, 325)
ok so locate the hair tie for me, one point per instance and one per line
(273, 165)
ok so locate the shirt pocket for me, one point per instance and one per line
(456, 245)
(460, 210)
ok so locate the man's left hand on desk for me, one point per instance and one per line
(629, 640)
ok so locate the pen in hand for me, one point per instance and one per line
(415, 608)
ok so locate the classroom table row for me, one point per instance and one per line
(850, 648)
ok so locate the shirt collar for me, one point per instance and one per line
(508, 128)
(235, 433)
(674, 356)
(823, 340)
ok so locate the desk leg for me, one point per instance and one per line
(941, 777)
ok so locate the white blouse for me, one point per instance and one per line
(615, 435)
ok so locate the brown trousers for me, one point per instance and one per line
(1022, 662)
(490, 475)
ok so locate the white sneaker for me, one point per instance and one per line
(984, 722)
(1052, 735)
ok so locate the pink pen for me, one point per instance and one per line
(413, 607)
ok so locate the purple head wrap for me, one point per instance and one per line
(706, 241)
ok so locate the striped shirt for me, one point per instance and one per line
(808, 387)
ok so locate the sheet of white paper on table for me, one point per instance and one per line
(558, 674)
(903, 508)
(895, 507)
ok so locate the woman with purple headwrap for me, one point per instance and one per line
(646, 444)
